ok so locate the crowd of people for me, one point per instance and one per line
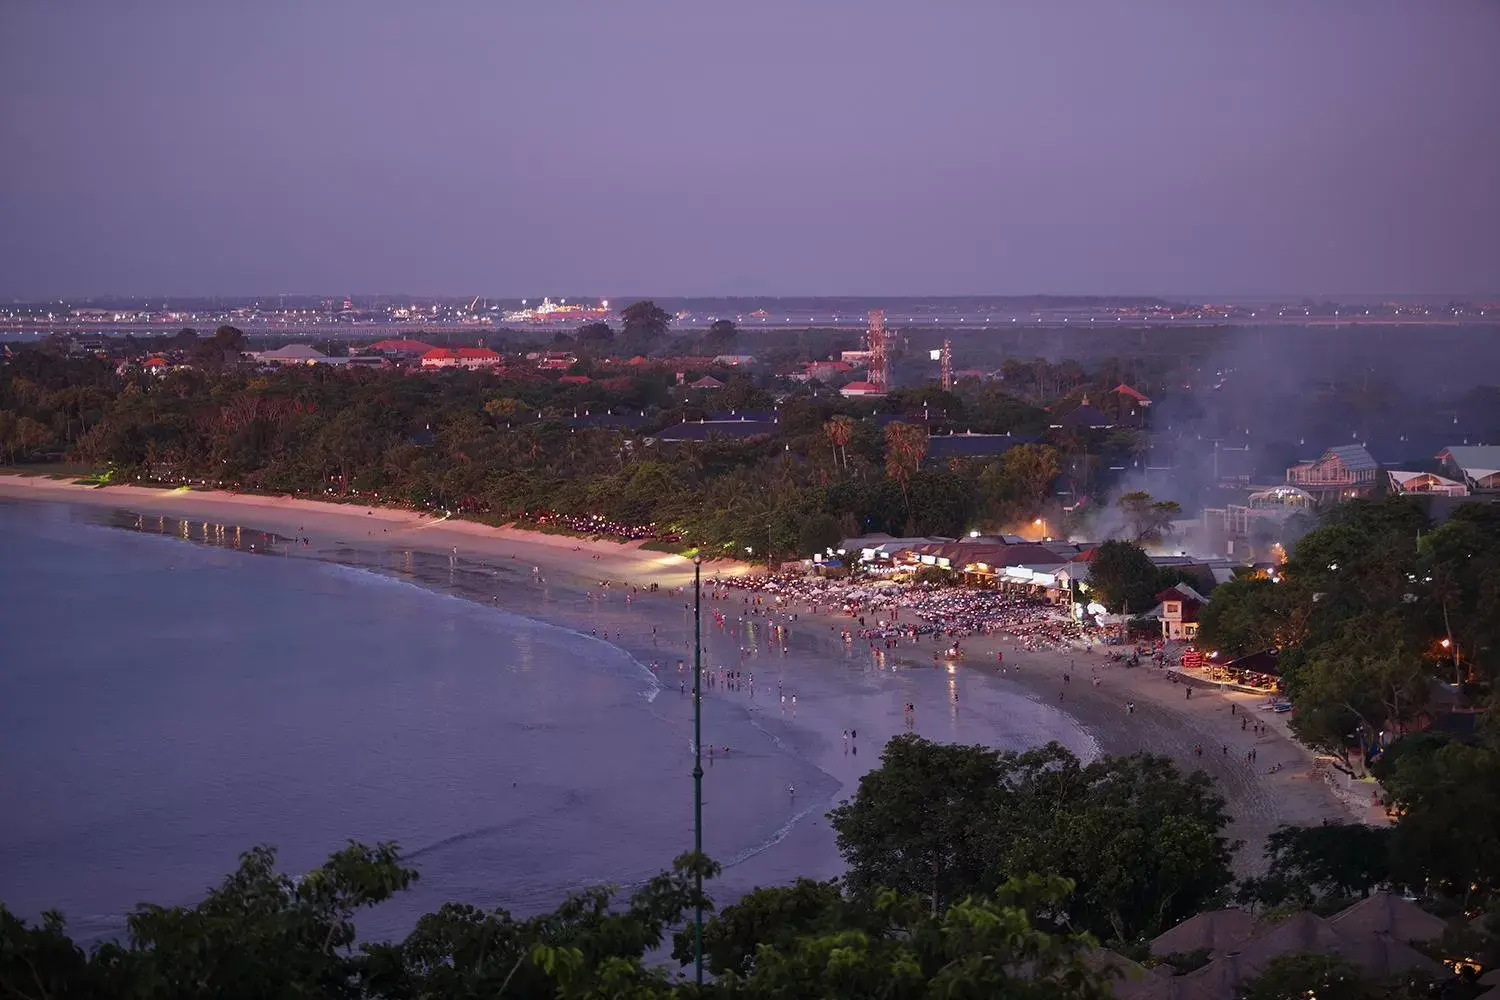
(887, 612)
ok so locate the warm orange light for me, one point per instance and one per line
(1445, 643)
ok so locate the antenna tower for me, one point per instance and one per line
(880, 366)
(947, 357)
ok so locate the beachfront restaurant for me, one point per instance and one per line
(891, 553)
(1023, 568)
(1257, 671)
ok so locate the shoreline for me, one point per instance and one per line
(1165, 720)
(331, 525)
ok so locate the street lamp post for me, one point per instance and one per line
(698, 763)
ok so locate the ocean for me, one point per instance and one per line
(165, 704)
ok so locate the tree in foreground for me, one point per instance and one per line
(1448, 836)
(894, 947)
(1318, 976)
(264, 934)
(1141, 844)
(1331, 863)
(1303, 975)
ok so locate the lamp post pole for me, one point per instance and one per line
(698, 761)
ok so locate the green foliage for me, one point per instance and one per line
(895, 948)
(772, 917)
(1305, 974)
(1336, 861)
(595, 335)
(1448, 837)
(1016, 487)
(494, 448)
(264, 934)
(644, 325)
(1124, 577)
(1245, 616)
(1373, 610)
(1142, 844)
(1148, 519)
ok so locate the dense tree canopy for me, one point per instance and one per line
(264, 934)
(1142, 844)
(1386, 626)
(1124, 579)
(503, 447)
(1374, 612)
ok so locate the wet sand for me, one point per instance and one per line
(838, 686)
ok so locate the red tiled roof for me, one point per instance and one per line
(478, 354)
(438, 354)
(863, 387)
(411, 346)
(1132, 393)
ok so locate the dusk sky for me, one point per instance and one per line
(703, 148)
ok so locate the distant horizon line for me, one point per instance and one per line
(1197, 297)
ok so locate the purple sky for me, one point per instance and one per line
(508, 147)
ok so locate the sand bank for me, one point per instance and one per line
(331, 525)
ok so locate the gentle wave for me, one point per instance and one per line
(366, 575)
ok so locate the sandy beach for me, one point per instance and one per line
(969, 705)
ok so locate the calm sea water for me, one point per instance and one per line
(164, 706)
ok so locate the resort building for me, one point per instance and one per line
(411, 349)
(941, 447)
(478, 357)
(1424, 484)
(463, 357)
(1339, 474)
(822, 371)
(1239, 530)
(1177, 608)
(1379, 935)
(1085, 417)
(1476, 466)
(855, 389)
(292, 354)
(440, 357)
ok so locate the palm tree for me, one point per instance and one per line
(840, 429)
(905, 446)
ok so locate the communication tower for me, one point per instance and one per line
(880, 365)
(947, 357)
